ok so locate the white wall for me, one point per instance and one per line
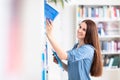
(4, 29)
(32, 38)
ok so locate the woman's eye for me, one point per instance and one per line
(79, 26)
(84, 29)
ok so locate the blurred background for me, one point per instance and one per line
(25, 53)
(20, 37)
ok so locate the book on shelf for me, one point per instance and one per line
(113, 28)
(118, 46)
(110, 46)
(116, 61)
(102, 27)
(108, 28)
(105, 11)
(112, 61)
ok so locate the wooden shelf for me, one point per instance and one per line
(110, 53)
(109, 37)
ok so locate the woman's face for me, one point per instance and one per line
(81, 32)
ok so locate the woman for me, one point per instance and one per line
(85, 57)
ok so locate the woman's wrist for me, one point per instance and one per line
(49, 36)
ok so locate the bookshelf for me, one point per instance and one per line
(107, 18)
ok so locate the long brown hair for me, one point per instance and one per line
(92, 38)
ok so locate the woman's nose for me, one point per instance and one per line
(79, 30)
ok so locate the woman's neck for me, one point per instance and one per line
(80, 43)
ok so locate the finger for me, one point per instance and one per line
(49, 22)
(54, 59)
(48, 26)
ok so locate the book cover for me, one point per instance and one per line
(57, 58)
(116, 61)
(50, 12)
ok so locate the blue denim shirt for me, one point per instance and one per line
(79, 62)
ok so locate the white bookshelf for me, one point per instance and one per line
(109, 37)
(111, 53)
(95, 2)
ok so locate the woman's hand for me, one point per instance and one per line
(49, 27)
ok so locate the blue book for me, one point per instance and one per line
(57, 58)
(50, 12)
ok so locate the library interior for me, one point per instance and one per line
(25, 50)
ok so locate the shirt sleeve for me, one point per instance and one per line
(83, 52)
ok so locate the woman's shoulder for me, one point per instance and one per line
(88, 47)
(85, 46)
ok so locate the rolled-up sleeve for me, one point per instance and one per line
(80, 53)
(71, 55)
